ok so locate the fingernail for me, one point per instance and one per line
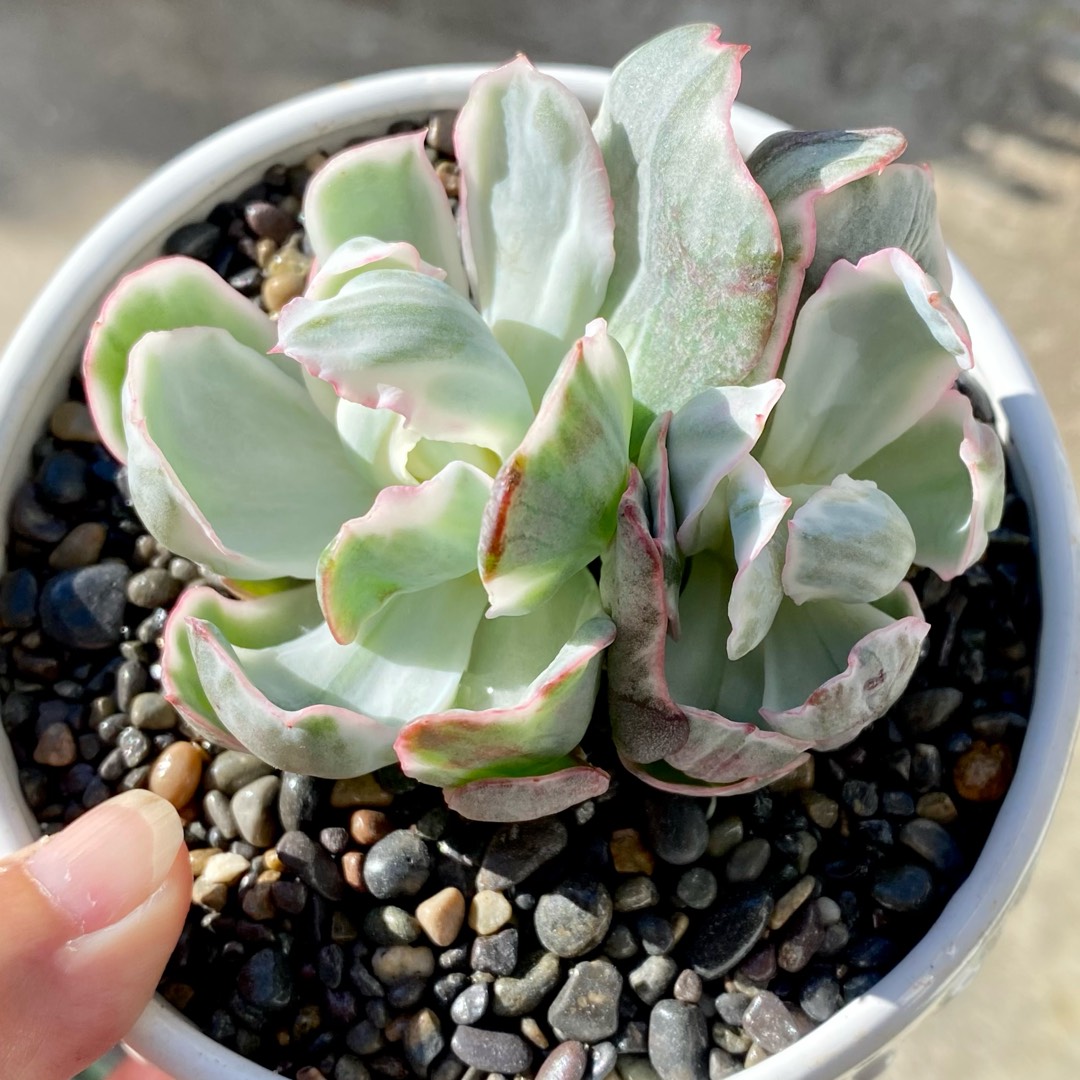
(106, 863)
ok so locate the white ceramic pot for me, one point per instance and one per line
(854, 1044)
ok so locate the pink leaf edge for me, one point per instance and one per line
(524, 798)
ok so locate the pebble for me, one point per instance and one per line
(678, 1041)
(516, 851)
(566, 1062)
(265, 980)
(748, 860)
(791, 901)
(176, 773)
(311, 863)
(18, 599)
(587, 1006)
(71, 422)
(388, 925)
(925, 767)
(471, 1004)
(759, 967)
(152, 588)
(822, 811)
(574, 918)
(628, 854)
(534, 1033)
(769, 1023)
(298, 799)
(56, 746)
(496, 954)
(441, 916)
(724, 835)
(861, 798)
(397, 963)
(926, 710)
(984, 773)
(897, 804)
(84, 609)
(722, 1064)
(352, 867)
(489, 911)
(368, 827)
(652, 977)
(197, 240)
(806, 936)
(230, 770)
(902, 888)
(517, 996)
(359, 791)
(688, 986)
(398, 865)
(491, 1051)
(209, 894)
(335, 839)
(151, 712)
(253, 809)
(933, 842)
(730, 1007)
(936, 806)
(729, 932)
(423, 1041)
(697, 888)
(656, 934)
(81, 547)
(30, 520)
(216, 808)
(678, 830)
(225, 868)
(636, 894)
(820, 997)
(266, 219)
(61, 479)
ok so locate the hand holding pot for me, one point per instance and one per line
(90, 916)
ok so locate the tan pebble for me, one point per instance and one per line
(199, 857)
(680, 923)
(72, 422)
(278, 289)
(315, 161)
(533, 1032)
(399, 962)
(629, 854)
(272, 861)
(822, 811)
(257, 902)
(450, 175)
(176, 773)
(359, 791)
(268, 877)
(440, 916)
(308, 1072)
(265, 250)
(984, 772)
(755, 1054)
(489, 911)
(209, 894)
(936, 806)
(799, 779)
(395, 1030)
(81, 547)
(308, 1019)
(227, 868)
(56, 746)
(352, 866)
(369, 826)
(177, 994)
(791, 901)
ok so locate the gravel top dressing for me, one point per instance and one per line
(358, 928)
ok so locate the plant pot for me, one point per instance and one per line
(39, 361)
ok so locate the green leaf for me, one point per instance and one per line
(693, 293)
(535, 213)
(231, 464)
(553, 504)
(360, 255)
(386, 189)
(163, 295)
(404, 341)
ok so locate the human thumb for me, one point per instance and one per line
(89, 918)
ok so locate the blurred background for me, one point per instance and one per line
(94, 94)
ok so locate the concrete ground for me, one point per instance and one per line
(94, 95)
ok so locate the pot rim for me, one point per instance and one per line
(946, 957)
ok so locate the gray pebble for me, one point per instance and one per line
(768, 1022)
(933, 842)
(861, 797)
(151, 712)
(748, 860)
(216, 808)
(926, 710)
(678, 831)
(518, 996)
(902, 888)
(312, 864)
(730, 1007)
(925, 767)
(602, 1060)
(131, 680)
(492, 1051)
(29, 519)
(134, 746)
(253, 810)
(298, 800)
(397, 865)
(471, 1004)
(722, 1064)
(232, 769)
(515, 851)
(652, 977)
(697, 888)
(621, 943)
(496, 954)
(152, 588)
(729, 932)
(587, 1007)
(574, 918)
(656, 934)
(821, 997)
(635, 894)
(566, 1062)
(678, 1041)
(84, 608)
(265, 980)
(390, 925)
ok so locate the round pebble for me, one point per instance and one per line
(748, 860)
(152, 588)
(253, 809)
(491, 1051)
(587, 1007)
(678, 831)
(903, 888)
(984, 773)
(678, 1041)
(71, 422)
(567, 1061)
(81, 547)
(151, 712)
(398, 865)
(84, 609)
(441, 916)
(574, 918)
(697, 888)
(489, 911)
(729, 932)
(176, 773)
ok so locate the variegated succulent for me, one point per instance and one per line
(409, 479)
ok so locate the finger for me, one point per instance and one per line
(90, 917)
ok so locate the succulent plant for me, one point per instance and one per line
(407, 481)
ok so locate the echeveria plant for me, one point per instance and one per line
(409, 480)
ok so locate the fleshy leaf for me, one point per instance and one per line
(708, 437)
(662, 776)
(385, 189)
(311, 705)
(693, 292)
(645, 722)
(895, 209)
(360, 255)
(795, 169)
(655, 471)
(535, 213)
(527, 695)
(756, 509)
(832, 668)
(412, 538)
(947, 474)
(256, 623)
(404, 341)
(848, 542)
(873, 349)
(163, 295)
(553, 505)
(231, 464)
(524, 798)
